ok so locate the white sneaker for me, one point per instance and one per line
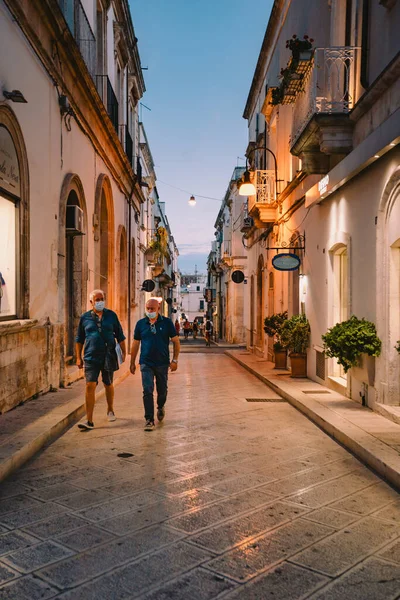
(111, 416)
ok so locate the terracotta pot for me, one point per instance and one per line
(280, 359)
(298, 363)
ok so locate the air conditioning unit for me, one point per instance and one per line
(74, 221)
(248, 223)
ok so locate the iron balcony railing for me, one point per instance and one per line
(126, 141)
(328, 88)
(79, 26)
(108, 97)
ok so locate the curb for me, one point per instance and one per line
(380, 457)
(28, 450)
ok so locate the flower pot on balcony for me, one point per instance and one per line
(280, 357)
(305, 55)
(298, 363)
(157, 270)
(365, 370)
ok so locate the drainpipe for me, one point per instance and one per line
(129, 267)
(364, 44)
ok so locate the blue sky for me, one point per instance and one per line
(201, 56)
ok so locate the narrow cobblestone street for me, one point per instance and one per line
(227, 498)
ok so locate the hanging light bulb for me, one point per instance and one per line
(192, 200)
(246, 188)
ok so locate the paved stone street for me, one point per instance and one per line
(227, 498)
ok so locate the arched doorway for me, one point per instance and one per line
(72, 268)
(122, 280)
(271, 308)
(252, 312)
(260, 305)
(388, 292)
(104, 238)
(294, 279)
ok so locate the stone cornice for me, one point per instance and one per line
(46, 31)
(266, 47)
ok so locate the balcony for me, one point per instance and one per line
(106, 93)
(127, 142)
(262, 206)
(79, 26)
(321, 129)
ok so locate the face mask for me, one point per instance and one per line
(151, 315)
(99, 305)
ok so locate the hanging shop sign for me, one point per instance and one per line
(9, 167)
(286, 262)
(238, 276)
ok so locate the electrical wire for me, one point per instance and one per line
(186, 192)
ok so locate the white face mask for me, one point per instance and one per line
(99, 305)
(151, 315)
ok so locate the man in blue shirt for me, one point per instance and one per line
(97, 331)
(153, 333)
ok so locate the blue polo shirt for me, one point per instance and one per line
(154, 348)
(95, 342)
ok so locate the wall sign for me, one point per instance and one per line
(9, 167)
(286, 262)
(148, 285)
(238, 276)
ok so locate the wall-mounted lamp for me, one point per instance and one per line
(246, 188)
(15, 96)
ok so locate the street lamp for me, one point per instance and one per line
(246, 188)
(192, 200)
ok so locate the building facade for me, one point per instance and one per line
(228, 255)
(71, 183)
(192, 296)
(324, 125)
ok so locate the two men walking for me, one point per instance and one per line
(99, 331)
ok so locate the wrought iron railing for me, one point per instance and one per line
(108, 97)
(126, 141)
(328, 88)
(78, 24)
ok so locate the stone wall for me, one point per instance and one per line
(30, 358)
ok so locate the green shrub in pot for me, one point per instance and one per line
(348, 340)
(295, 334)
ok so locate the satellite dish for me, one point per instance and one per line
(168, 300)
(148, 285)
(238, 276)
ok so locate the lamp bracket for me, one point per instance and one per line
(301, 239)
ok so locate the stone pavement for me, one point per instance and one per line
(370, 436)
(227, 498)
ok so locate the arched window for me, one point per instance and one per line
(14, 219)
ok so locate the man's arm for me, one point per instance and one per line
(123, 349)
(177, 346)
(78, 352)
(134, 353)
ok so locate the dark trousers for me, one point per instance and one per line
(160, 374)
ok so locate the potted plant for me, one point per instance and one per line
(295, 335)
(301, 49)
(351, 343)
(158, 248)
(272, 327)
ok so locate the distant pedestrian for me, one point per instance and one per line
(195, 329)
(208, 330)
(177, 327)
(98, 331)
(186, 329)
(153, 334)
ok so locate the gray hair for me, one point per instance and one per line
(94, 293)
